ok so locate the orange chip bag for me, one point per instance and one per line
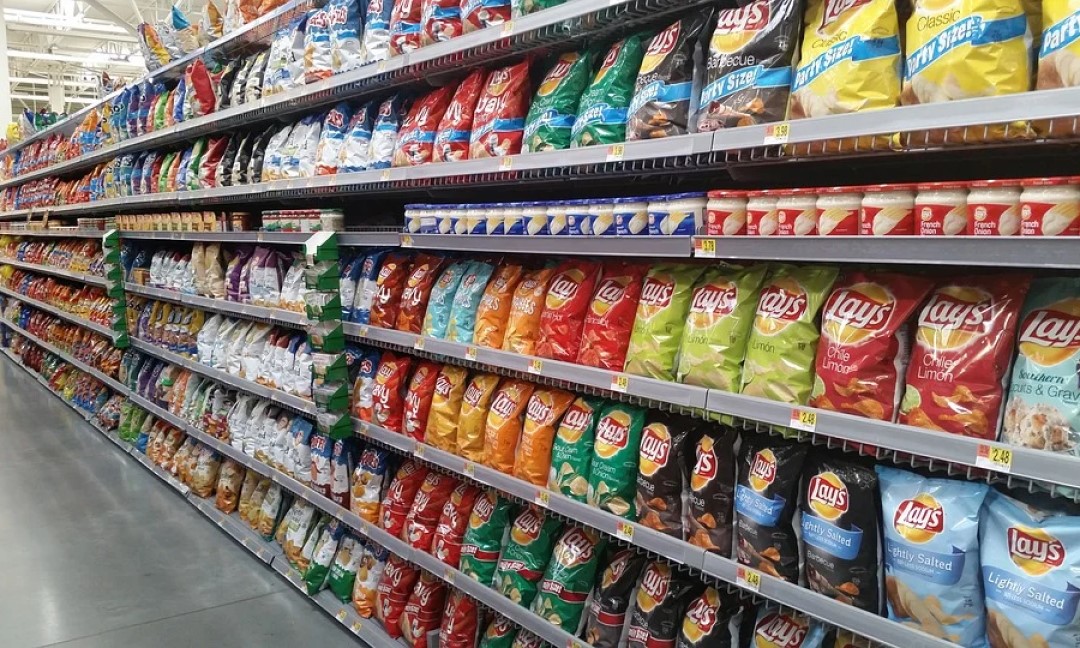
(442, 423)
(389, 285)
(504, 423)
(532, 459)
(494, 306)
(610, 318)
(475, 403)
(426, 268)
(565, 305)
(418, 399)
(523, 325)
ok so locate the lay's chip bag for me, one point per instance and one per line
(660, 320)
(1029, 566)
(603, 109)
(504, 423)
(783, 342)
(706, 621)
(850, 59)
(931, 534)
(776, 628)
(554, 108)
(470, 291)
(441, 300)
(614, 466)
(525, 556)
(569, 577)
(442, 423)
(571, 452)
(484, 537)
(565, 307)
(532, 458)
(494, 308)
(610, 318)
(472, 421)
(526, 308)
(1058, 55)
(721, 312)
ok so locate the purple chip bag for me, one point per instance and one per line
(250, 271)
(233, 271)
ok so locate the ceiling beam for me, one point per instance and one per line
(112, 15)
(73, 33)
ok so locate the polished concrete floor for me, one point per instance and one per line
(99, 553)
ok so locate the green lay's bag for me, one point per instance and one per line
(660, 320)
(525, 7)
(554, 108)
(346, 563)
(603, 108)
(525, 556)
(484, 537)
(500, 633)
(613, 473)
(572, 449)
(783, 341)
(721, 311)
(569, 577)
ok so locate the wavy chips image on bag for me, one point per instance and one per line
(554, 108)
(532, 458)
(765, 500)
(563, 316)
(455, 127)
(609, 320)
(405, 26)
(611, 598)
(839, 531)
(960, 358)
(371, 476)
(661, 318)
(614, 464)
(931, 547)
(399, 496)
(499, 120)
(712, 489)
(664, 87)
(602, 112)
(748, 70)
(864, 343)
(721, 313)
(423, 610)
(659, 500)
(442, 423)
(663, 595)
(1028, 572)
(472, 422)
(526, 309)
(389, 285)
(388, 392)
(505, 420)
(569, 577)
(418, 399)
(416, 137)
(461, 326)
(783, 342)
(572, 448)
(1043, 409)
(525, 556)
(488, 523)
(495, 305)
(426, 508)
(500, 633)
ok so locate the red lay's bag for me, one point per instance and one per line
(446, 545)
(423, 610)
(404, 26)
(563, 316)
(499, 119)
(389, 284)
(863, 347)
(523, 322)
(416, 137)
(455, 127)
(388, 392)
(418, 399)
(399, 497)
(426, 508)
(426, 268)
(610, 318)
(960, 358)
(441, 21)
(392, 593)
(459, 622)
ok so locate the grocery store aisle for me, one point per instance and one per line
(98, 552)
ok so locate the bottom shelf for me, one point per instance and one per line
(368, 631)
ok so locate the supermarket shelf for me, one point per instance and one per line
(55, 232)
(355, 239)
(112, 383)
(1015, 251)
(74, 319)
(176, 484)
(636, 246)
(235, 527)
(275, 395)
(83, 277)
(251, 311)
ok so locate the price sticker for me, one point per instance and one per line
(994, 457)
(419, 451)
(419, 343)
(470, 469)
(748, 578)
(364, 330)
(356, 627)
(449, 576)
(620, 383)
(506, 163)
(365, 428)
(705, 248)
(536, 366)
(470, 353)
(381, 67)
(624, 531)
(615, 152)
(384, 176)
(340, 616)
(804, 420)
(777, 133)
(406, 240)
(574, 643)
(543, 498)
(507, 29)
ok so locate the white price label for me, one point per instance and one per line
(615, 152)
(543, 498)
(418, 344)
(624, 531)
(470, 353)
(620, 383)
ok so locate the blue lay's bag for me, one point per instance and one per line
(931, 532)
(467, 299)
(335, 130)
(355, 154)
(366, 287)
(442, 299)
(350, 281)
(1029, 569)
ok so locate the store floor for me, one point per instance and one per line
(99, 553)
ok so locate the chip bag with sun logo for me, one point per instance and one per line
(610, 317)
(660, 479)
(554, 108)
(765, 499)
(931, 546)
(660, 321)
(711, 464)
(614, 466)
(839, 531)
(706, 620)
(663, 595)
(864, 342)
(525, 556)
(1029, 564)
(775, 628)
(565, 306)
(569, 576)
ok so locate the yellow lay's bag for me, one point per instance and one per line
(850, 58)
(442, 423)
(1059, 54)
(472, 419)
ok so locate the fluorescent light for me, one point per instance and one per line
(88, 59)
(41, 99)
(60, 22)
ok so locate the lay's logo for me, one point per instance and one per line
(538, 410)
(1051, 328)
(338, 15)
(370, 460)
(366, 365)
(1034, 550)
(443, 385)
(577, 548)
(557, 73)
(385, 110)
(473, 393)
(715, 300)
(752, 17)
(762, 470)
(335, 119)
(657, 292)
(835, 8)
(499, 82)
(778, 630)
(702, 615)
(613, 432)
(609, 61)
(780, 304)
(853, 308)
(827, 495)
(529, 525)
(504, 404)
(385, 372)
(919, 519)
(563, 288)
(655, 582)
(482, 511)
(947, 312)
(656, 445)
(662, 44)
(610, 291)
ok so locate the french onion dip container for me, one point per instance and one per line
(1050, 206)
(761, 213)
(838, 211)
(994, 208)
(796, 212)
(887, 210)
(941, 209)
(725, 213)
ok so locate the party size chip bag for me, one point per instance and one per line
(779, 362)
(488, 524)
(525, 556)
(765, 501)
(614, 464)
(602, 112)
(554, 108)
(375, 44)
(661, 317)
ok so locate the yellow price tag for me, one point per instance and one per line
(356, 627)
(536, 366)
(340, 616)
(384, 176)
(449, 576)
(994, 457)
(418, 344)
(381, 67)
(365, 428)
(507, 29)
(406, 240)
(615, 152)
(364, 330)
(506, 163)
(470, 353)
(804, 420)
(419, 451)
(543, 498)
(470, 469)
(777, 133)
(620, 383)
(624, 531)
(706, 248)
(748, 578)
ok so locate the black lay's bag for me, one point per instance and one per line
(765, 499)
(748, 71)
(660, 472)
(663, 594)
(611, 599)
(711, 464)
(839, 531)
(706, 622)
(665, 82)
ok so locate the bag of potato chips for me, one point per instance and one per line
(525, 556)
(613, 471)
(711, 464)
(504, 423)
(783, 341)
(611, 598)
(569, 576)
(565, 307)
(488, 524)
(571, 452)
(523, 323)
(1058, 54)
(721, 312)
(660, 320)
(494, 308)
(661, 459)
(442, 423)
(532, 459)
(475, 403)
(610, 317)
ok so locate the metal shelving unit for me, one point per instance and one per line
(348, 238)
(632, 246)
(249, 311)
(74, 319)
(83, 277)
(54, 232)
(112, 383)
